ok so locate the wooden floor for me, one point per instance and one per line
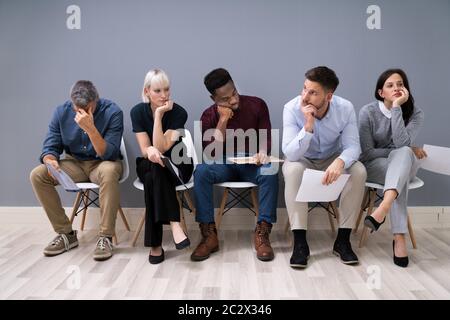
(232, 273)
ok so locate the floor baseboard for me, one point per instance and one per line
(234, 219)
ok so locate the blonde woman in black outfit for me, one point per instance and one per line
(155, 122)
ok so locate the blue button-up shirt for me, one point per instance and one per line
(64, 134)
(336, 133)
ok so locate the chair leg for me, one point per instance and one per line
(289, 234)
(287, 226)
(189, 202)
(76, 205)
(335, 211)
(124, 219)
(183, 223)
(222, 208)
(114, 239)
(85, 201)
(138, 230)
(330, 219)
(180, 204)
(372, 196)
(336, 214)
(363, 208)
(255, 202)
(411, 233)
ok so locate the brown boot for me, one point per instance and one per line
(208, 244)
(264, 251)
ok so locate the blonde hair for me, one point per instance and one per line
(154, 77)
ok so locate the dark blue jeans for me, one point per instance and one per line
(206, 175)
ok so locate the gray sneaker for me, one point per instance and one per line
(63, 242)
(104, 249)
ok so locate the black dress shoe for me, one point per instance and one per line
(183, 244)
(373, 224)
(300, 256)
(399, 261)
(343, 249)
(156, 259)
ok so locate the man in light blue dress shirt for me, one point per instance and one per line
(320, 132)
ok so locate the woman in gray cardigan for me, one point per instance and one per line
(387, 130)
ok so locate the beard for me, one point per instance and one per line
(318, 106)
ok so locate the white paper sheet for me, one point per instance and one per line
(438, 159)
(172, 168)
(63, 178)
(312, 189)
(251, 160)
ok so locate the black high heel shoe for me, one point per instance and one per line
(183, 244)
(373, 224)
(399, 261)
(156, 259)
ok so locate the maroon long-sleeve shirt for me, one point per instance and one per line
(251, 114)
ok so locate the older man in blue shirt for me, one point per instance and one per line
(89, 130)
(320, 132)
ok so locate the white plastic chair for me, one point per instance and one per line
(90, 187)
(371, 196)
(182, 190)
(332, 213)
(236, 198)
(438, 159)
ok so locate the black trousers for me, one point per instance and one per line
(161, 204)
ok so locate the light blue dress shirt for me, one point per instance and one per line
(336, 133)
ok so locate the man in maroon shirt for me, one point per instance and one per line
(234, 125)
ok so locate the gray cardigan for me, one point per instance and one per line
(379, 135)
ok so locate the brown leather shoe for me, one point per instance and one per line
(208, 244)
(264, 251)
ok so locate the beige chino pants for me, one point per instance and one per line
(104, 173)
(351, 196)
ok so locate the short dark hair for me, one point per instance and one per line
(216, 79)
(408, 106)
(323, 75)
(83, 92)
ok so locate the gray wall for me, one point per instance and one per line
(267, 45)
